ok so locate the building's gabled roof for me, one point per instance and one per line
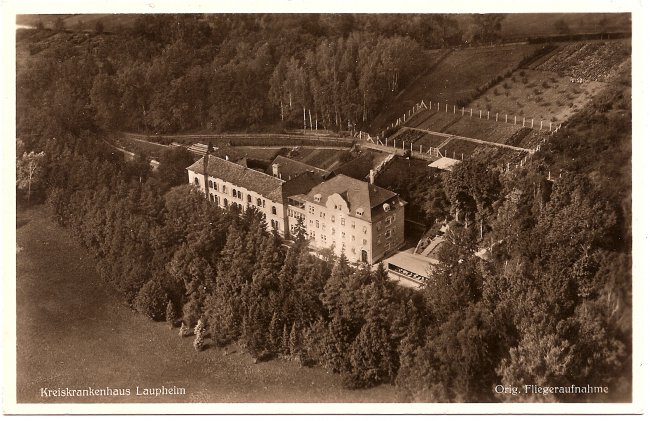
(290, 168)
(263, 184)
(358, 195)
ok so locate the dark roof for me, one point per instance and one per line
(264, 184)
(290, 168)
(268, 186)
(358, 194)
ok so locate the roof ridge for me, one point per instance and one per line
(246, 168)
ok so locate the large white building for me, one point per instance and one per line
(360, 219)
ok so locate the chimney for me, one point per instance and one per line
(371, 177)
(276, 170)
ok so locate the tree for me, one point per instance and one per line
(28, 171)
(152, 300)
(173, 163)
(170, 314)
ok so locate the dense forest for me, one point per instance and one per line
(549, 306)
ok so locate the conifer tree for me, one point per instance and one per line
(170, 315)
(294, 341)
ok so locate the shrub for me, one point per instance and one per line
(545, 85)
(507, 85)
(151, 300)
(199, 343)
(522, 73)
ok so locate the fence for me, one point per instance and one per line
(472, 113)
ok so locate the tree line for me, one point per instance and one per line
(171, 73)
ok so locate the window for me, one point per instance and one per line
(223, 188)
(216, 186)
(359, 211)
(311, 210)
(311, 222)
(353, 238)
(317, 198)
(263, 203)
(343, 235)
(249, 199)
(333, 231)
(259, 202)
(196, 181)
(210, 183)
(225, 202)
(389, 233)
(234, 193)
(354, 251)
(239, 195)
(333, 218)
(211, 196)
(343, 221)
(274, 211)
(317, 224)
(322, 214)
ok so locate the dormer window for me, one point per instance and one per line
(317, 198)
(386, 207)
(360, 212)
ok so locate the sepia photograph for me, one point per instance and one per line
(321, 208)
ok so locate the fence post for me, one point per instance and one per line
(454, 154)
(523, 122)
(480, 113)
(506, 118)
(488, 117)
(463, 111)
(402, 145)
(497, 118)
(438, 106)
(540, 124)
(549, 126)
(411, 146)
(532, 120)
(445, 107)
(462, 156)
(471, 111)
(394, 144)
(515, 119)
(420, 148)
(454, 108)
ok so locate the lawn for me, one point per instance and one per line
(536, 94)
(72, 331)
(453, 78)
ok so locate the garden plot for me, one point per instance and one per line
(459, 148)
(483, 129)
(438, 121)
(430, 141)
(539, 95)
(407, 136)
(498, 156)
(419, 118)
(595, 61)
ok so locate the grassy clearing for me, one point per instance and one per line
(536, 94)
(73, 332)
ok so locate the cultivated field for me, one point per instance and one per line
(73, 332)
(541, 95)
(596, 61)
(454, 78)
